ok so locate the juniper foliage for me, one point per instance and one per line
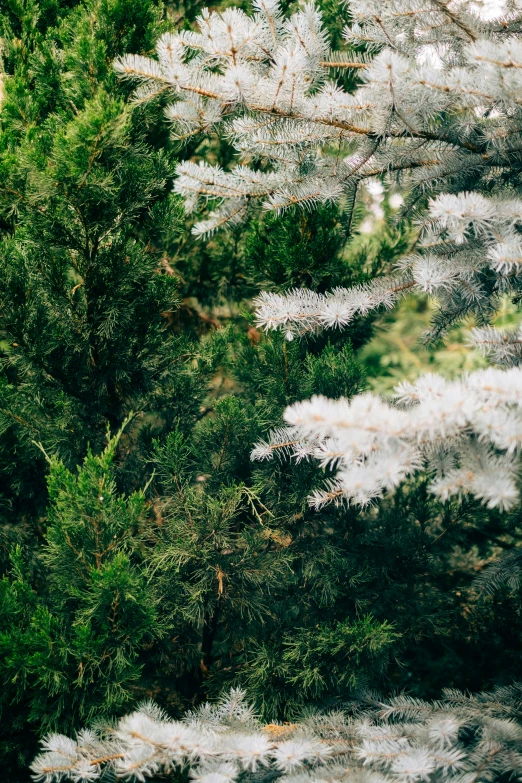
(69, 648)
(84, 297)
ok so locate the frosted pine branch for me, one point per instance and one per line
(437, 107)
(502, 346)
(463, 241)
(403, 740)
(303, 311)
(466, 433)
(269, 84)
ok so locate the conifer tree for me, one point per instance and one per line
(432, 113)
(85, 302)
(70, 648)
(85, 295)
(92, 330)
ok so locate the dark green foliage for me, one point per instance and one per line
(297, 251)
(277, 373)
(85, 300)
(317, 665)
(69, 646)
(241, 562)
(287, 252)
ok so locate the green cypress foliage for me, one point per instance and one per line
(85, 304)
(109, 593)
(69, 645)
(84, 198)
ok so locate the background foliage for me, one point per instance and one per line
(143, 554)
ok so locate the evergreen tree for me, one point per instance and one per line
(85, 305)
(271, 75)
(69, 646)
(307, 140)
(435, 85)
(82, 195)
(92, 329)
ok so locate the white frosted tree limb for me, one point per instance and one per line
(502, 346)
(469, 251)
(403, 740)
(466, 433)
(437, 107)
(303, 311)
(266, 82)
